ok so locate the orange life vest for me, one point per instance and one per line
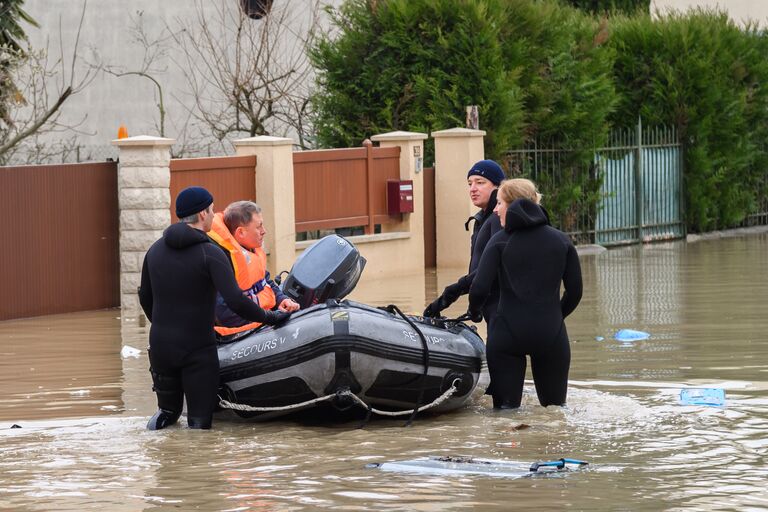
(250, 268)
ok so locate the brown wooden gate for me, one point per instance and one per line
(339, 188)
(430, 234)
(60, 243)
(227, 178)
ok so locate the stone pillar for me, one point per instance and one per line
(455, 152)
(275, 195)
(411, 165)
(144, 199)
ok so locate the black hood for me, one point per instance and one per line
(181, 236)
(524, 214)
(491, 204)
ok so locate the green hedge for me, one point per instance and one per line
(414, 65)
(536, 69)
(565, 72)
(706, 76)
(543, 70)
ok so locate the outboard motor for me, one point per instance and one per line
(329, 269)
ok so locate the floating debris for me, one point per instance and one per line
(703, 396)
(631, 335)
(460, 465)
(129, 352)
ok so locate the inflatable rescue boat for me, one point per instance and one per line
(347, 354)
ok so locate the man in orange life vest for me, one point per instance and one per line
(239, 231)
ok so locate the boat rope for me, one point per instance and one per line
(226, 404)
(343, 393)
(367, 418)
(437, 401)
(394, 309)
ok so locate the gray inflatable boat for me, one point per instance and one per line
(347, 354)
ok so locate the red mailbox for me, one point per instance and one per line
(399, 196)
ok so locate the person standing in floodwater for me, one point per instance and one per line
(483, 180)
(529, 259)
(179, 278)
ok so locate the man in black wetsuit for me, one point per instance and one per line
(483, 180)
(529, 259)
(181, 273)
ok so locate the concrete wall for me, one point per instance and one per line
(144, 202)
(107, 37)
(456, 150)
(400, 249)
(143, 192)
(739, 10)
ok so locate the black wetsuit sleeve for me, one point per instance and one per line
(465, 282)
(145, 291)
(223, 278)
(484, 276)
(489, 228)
(572, 284)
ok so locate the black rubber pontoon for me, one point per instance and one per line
(347, 353)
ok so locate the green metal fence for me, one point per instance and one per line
(627, 192)
(760, 216)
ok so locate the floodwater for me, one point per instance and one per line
(82, 411)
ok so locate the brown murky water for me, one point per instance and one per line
(82, 411)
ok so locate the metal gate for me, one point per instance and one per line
(631, 190)
(641, 187)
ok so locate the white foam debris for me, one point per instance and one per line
(129, 352)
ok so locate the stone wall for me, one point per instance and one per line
(143, 189)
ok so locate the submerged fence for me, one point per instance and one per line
(626, 192)
(760, 215)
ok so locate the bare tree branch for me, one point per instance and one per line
(155, 50)
(37, 124)
(35, 109)
(249, 77)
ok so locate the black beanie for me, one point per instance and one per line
(489, 170)
(192, 200)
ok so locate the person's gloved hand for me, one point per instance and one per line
(475, 315)
(276, 317)
(450, 295)
(434, 309)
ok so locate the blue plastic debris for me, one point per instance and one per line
(703, 396)
(556, 464)
(631, 335)
(599, 338)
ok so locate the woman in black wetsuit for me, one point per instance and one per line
(530, 259)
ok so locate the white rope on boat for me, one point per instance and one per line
(437, 401)
(243, 407)
(249, 408)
